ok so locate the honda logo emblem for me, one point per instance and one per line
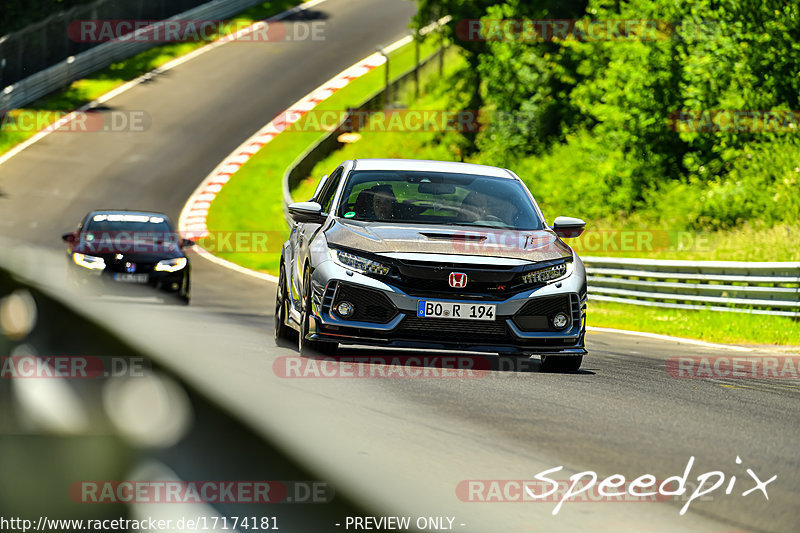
(458, 280)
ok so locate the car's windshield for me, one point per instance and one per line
(437, 198)
(138, 226)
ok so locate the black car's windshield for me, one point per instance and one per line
(437, 198)
(139, 226)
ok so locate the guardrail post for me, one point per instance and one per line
(441, 50)
(387, 98)
(416, 63)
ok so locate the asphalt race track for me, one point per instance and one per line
(622, 414)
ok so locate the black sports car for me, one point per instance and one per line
(431, 254)
(115, 249)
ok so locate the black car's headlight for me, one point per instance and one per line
(170, 265)
(89, 261)
(358, 263)
(544, 275)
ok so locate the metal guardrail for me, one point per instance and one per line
(767, 288)
(78, 66)
(130, 421)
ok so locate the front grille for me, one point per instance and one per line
(484, 281)
(370, 305)
(537, 314)
(453, 330)
(119, 265)
(432, 280)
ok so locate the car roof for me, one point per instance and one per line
(431, 166)
(127, 212)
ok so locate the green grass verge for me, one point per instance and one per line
(252, 199)
(729, 328)
(92, 87)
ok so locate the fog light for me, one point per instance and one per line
(345, 309)
(560, 321)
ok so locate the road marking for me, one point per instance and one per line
(149, 75)
(233, 266)
(192, 220)
(670, 338)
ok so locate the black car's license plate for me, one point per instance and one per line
(468, 311)
(131, 278)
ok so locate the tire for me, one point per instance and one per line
(185, 295)
(283, 333)
(305, 346)
(561, 363)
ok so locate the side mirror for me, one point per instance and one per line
(306, 212)
(187, 242)
(568, 227)
(70, 238)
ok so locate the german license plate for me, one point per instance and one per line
(463, 311)
(130, 278)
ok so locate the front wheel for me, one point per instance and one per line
(283, 333)
(561, 363)
(185, 295)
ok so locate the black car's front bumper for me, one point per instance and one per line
(108, 280)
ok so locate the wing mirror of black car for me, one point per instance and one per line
(187, 242)
(70, 238)
(568, 227)
(306, 212)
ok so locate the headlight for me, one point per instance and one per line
(359, 264)
(170, 265)
(89, 261)
(545, 274)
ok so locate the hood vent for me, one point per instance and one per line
(463, 237)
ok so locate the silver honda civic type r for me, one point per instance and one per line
(435, 255)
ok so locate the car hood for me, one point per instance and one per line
(382, 238)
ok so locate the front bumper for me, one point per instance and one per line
(104, 282)
(400, 326)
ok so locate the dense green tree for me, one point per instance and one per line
(633, 117)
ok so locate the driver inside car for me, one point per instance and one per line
(383, 201)
(377, 202)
